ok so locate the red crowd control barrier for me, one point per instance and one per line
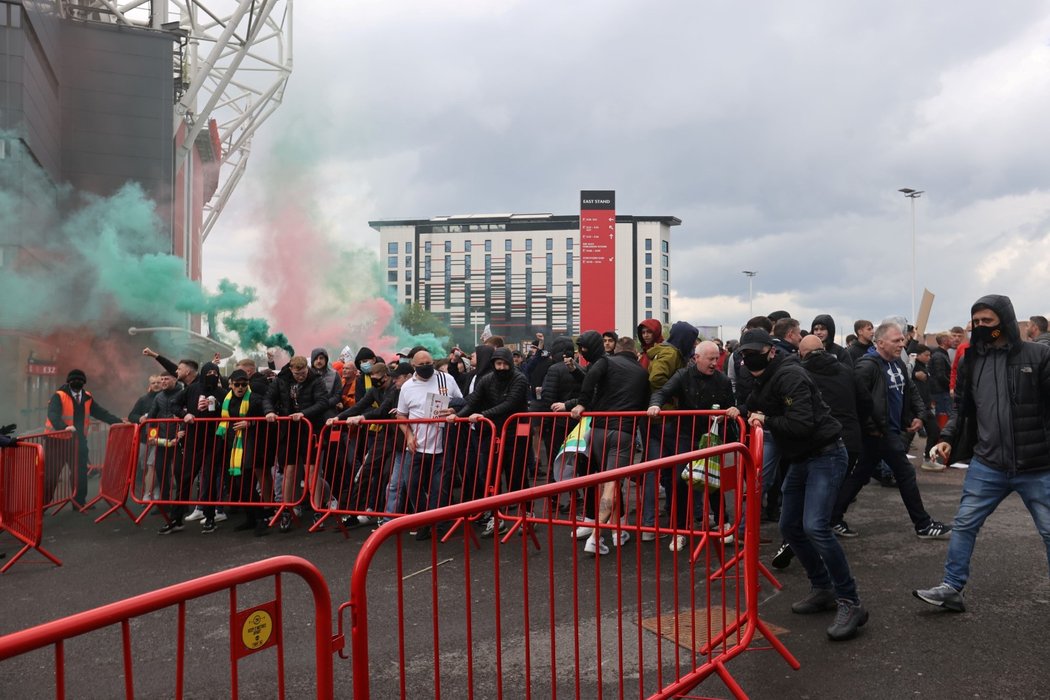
(214, 462)
(60, 466)
(646, 619)
(118, 466)
(253, 629)
(97, 437)
(22, 498)
(364, 470)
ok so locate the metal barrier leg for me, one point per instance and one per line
(26, 548)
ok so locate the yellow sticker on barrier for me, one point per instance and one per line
(257, 630)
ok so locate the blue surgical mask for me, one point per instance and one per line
(366, 367)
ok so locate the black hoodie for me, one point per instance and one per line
(560, 384)
(498, 395)
(850, 404)
(830, 345)
(1004, 392)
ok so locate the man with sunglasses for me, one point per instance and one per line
(787, 403)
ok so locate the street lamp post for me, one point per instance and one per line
(750, 292)
(912, 195)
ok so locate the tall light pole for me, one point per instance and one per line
(912, 195)
(750, 292)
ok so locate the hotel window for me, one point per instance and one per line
(664, 247)
(568, 244)
(528, 244)
(550, 244)
(408, 247)
(667, 289)
(426, 247)
(488, 246)
(426, 268)
(648, 258)
(391, 261)
(648, 287)
(488, 265)
(408, 275)
(408, 291)
(448, 246)
(528, 259)
(649, 302)
(568, 264)
(648, 273)
(391, 276)
(466, 246)
(667, 262)
(391, 248)
(506, 245)
(408, 261)
(466, 265)
(392, 289)
(648, 243)
(663, 274)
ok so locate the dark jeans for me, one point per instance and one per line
(429, 481)
(890, 449)
(809, 491)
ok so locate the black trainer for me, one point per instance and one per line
(208, 527)
(849, 618)
(783, 557)
(818, 600)
(934, 531)
(173, 526)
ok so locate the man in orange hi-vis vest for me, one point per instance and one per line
(71, 408)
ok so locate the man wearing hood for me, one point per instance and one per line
(616, 383)
(562, 382)
(823, 327)
(364, 360)
(664, 360)
(1002, 416)
(650, 334)
(164, 437)
(896, 409)
(497, 396)
(787, 403)
(71, 408)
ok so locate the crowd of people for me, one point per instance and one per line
(834, 417)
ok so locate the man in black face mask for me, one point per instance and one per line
(203, 400)
(71, 408)
(497, 396)
(787, 403)
(1002, 404)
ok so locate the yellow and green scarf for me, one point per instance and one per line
(237, 453)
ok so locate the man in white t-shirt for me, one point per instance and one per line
(427, 395)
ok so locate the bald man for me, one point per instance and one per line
(698, 387)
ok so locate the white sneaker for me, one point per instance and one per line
(333, 504)
(365, 519)
(584, 531)
(147, 497)
(596, 547)
(197, 514)
(678, 543)
(620, 538)
(648, 536)
(220, 516)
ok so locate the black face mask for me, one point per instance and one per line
(425, 371)
(756, 362)
(76, 385)
(502, 374)
(986, 334)
(211, 381)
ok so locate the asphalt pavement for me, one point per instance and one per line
(997, 649)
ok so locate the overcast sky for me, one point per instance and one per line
(779, 133)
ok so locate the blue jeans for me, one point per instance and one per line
(983, 490)
(395, 487)
(942, 403)
(770, 462)
(810, 489)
